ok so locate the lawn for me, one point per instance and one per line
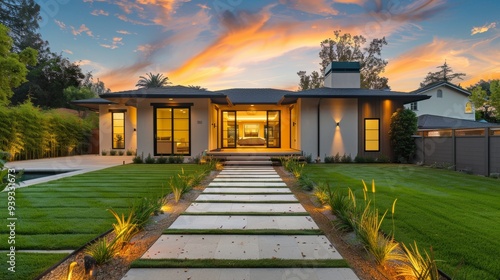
(67, 213)
(457, 214)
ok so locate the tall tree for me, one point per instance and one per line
(309, 81)
(444, 75)
(345, 47)
(152, 81)
(22, 17)
(485, 96)
(13, 69)
(48, 80)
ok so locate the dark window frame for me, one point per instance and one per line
(172, 106)
(378, 139)
(113, 112)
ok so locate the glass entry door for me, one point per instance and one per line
(273, 129)
(229, 129)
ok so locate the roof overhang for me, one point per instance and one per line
(92, 103)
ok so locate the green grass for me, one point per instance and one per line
(67, 213)
(29, 265)
(215, 263)
(457, 214)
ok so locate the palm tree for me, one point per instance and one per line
(152, 81)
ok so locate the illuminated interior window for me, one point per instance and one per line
(172, 131)
(118, 124)
(372, 135)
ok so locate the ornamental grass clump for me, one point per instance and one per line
(143, 208)
(417, 265)
(102, 251)
(124, 229)
(179, 185)
(322, 192)
(344, 208)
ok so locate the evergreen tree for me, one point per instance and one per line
(444, 75)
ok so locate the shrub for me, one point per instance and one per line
(137, 159)
(403, 127)
(179, 159)
(120, 153)
(329, 159)
(306, 183)
(346, 159)
(102, 251)
(149, 159)
(104, 152)
(162, 160)
(171, 159)
(308, 158)
(383, 159)
(359, 159)
(130, 153)
(112, 153)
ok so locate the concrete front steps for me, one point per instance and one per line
(242, 219)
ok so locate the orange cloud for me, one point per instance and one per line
(473, 58)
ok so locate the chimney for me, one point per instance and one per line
(342, 75)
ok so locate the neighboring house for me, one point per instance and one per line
(448, 100)
(178, 120)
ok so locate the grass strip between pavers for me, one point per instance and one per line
(245, 214)
(29, 265)
(246, 231)
(215, 263)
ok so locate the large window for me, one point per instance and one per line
(118, 127)
(372, 135)
(172, 131)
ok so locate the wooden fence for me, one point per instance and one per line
(474, 150)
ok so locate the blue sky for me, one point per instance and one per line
(220, 44)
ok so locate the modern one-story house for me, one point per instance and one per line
(176, 120)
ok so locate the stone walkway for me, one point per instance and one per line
(239, 199)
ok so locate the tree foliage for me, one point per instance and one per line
(309, 81)
(152, 81)
(403, 127)
(13, 69)
(22, 17)
(485, 96)
(444, 75)
(348, 48)
(47, 81)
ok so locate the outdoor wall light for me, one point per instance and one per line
(338, 124)
(135, 129)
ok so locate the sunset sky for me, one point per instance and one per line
(220, 44)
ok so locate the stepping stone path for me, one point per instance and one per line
(244, 197)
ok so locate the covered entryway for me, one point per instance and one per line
(251, 129)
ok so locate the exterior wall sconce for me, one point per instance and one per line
(294, 123)
(338, 124)
(135, 129)
(213, 124)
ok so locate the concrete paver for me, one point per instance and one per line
(241, 247)
(246, 197)
(243, 222)
(242, 273)
(252, 190)
(247, 184)
(207, 207)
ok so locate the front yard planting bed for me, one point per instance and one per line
(68, 213)
(456, 214)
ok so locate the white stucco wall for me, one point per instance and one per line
(199, 125)
(343, 80)
(342, 139)
(105, 129)
(452, 104)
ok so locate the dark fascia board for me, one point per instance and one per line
(355, 93)
(92, 103)
(439, 84)
(165, 92)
